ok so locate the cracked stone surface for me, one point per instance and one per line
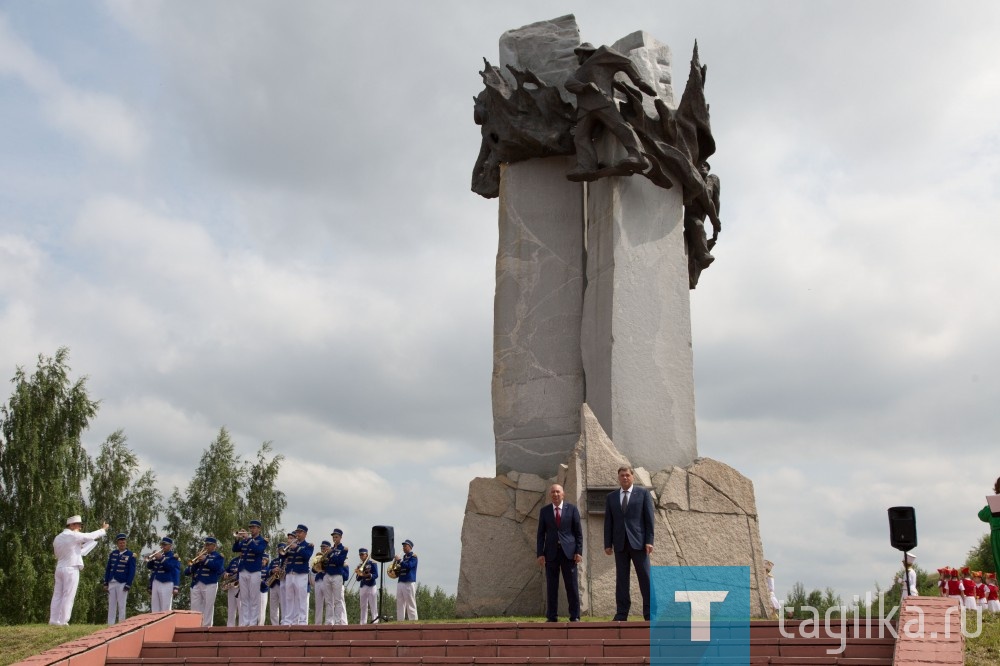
(538, 379)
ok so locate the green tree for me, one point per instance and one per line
(806, 605)
(264, 502)
(224, 493)
(129, 500)
(42, 467)
(185, 536)
(980, 558)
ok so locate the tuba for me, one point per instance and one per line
(393, 570)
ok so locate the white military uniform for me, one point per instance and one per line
(69, 546)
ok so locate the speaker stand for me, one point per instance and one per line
(381, 598)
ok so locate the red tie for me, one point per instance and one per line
(558, 517)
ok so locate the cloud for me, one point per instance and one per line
(97, 119)
(284, 242)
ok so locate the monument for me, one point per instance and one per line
(604, 191)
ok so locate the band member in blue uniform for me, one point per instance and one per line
(323, 604)
(296, 582)
(406, 584)
(274, 586)
(231, 584)
(337, 572)
(165, 576)
(250, 547)
(205, 571)
(265, 591)
(367, 574)
(118, 576)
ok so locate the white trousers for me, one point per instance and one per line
(249, 602)
(323, 605)
(64, 595)
(406, 601)
(263, 609)
(161, 596)
(296, 604)
(203, 601)
(234, 606)
(117, 598)
(275, 598)
(369, 602)
(335, 590)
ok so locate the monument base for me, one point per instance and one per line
(705, 515)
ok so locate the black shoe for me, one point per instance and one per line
(551, 619)
(574, 619)
(619, 618)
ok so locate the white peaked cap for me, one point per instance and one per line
(74, 519)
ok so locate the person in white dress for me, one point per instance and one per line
(911, 578)
(769, 566)
(70, 546)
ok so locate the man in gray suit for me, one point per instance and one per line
(628, 530)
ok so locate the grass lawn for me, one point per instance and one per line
(21, 641)
(984, 650)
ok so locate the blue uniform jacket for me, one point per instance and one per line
(408, 569)
(298, 558)
(250, 550)
(336, 564)
(370, 575)
(208, 571)
(120, 567)
(166, 570)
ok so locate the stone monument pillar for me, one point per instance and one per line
(636, 333)
(593, 361)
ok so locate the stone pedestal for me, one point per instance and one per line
(705, 515)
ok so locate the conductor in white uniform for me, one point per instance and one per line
(70, 546)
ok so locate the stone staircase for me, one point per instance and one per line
(175, 638)
(472, 643)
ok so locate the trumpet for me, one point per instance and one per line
(153, 556)
(200, 555)
(241, 535)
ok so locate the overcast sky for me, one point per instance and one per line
(258, 215)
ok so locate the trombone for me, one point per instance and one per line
(199, 556)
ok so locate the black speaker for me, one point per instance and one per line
(383, 549)
(902, 528)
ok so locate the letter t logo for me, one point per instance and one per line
(701, 610)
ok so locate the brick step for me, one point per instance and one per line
(857, 648)
(578, 648)
(374, 661)
(405, 632)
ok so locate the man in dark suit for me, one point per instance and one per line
(560, 548)
(628, 529)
